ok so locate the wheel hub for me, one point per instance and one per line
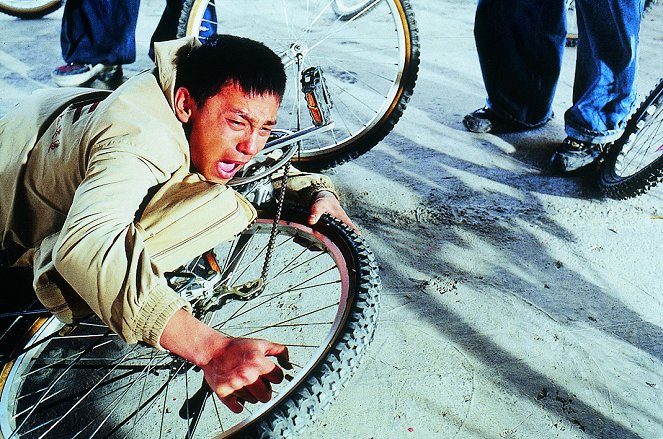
(297, 51)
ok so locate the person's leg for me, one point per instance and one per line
(99, 31)
(604, 87)
(168, 24)
(520, 45)
(94, 34)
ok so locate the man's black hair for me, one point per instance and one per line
(226, 59)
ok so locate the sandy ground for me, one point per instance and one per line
(516, 304)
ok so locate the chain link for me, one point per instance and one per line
(277, 218)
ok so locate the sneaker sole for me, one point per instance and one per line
(81, 78)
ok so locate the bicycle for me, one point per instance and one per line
(368, 49)
(368, 97)
(313, 288)
(634, 163)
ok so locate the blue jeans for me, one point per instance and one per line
(103, 31)
(99, 31)
(520, 45)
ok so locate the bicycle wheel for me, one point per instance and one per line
(320, 299)
(634, 164)
(370, 63)
(29, 8)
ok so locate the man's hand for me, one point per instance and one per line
(238, 370)
(326, 202)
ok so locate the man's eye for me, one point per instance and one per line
(236, 123)
(265, 131)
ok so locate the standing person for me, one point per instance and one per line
(520, 45)
(92, 186)
(98, 36)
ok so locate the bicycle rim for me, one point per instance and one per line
(320, 300)
(29, 8)
(635, 163)
(370, 63)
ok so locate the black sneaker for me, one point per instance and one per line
(485, 120)
(574, 154)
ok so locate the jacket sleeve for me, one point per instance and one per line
(301, 187)
(101, 254)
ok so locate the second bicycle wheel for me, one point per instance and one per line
(320, 300)
(370, 63)
(28, 9)
(634, 163)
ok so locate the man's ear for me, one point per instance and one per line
(183, 104)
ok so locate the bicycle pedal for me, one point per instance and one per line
(317, 96)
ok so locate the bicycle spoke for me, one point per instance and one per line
(88, 383)
(113, 405)
(278, 324)
(645, 146)
(72, 408)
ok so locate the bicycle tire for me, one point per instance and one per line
(634, 164)
(369, 97)
(29, 9)
(126, 403)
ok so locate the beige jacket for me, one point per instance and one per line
(97, 196)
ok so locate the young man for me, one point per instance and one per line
(101, 197)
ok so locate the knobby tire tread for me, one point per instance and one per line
(333, 371)
(621, 188)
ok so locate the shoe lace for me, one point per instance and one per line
(574, 145)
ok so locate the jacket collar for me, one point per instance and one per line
(165, 54)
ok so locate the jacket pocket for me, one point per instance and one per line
(187, 218)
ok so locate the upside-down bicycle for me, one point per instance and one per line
(368, 49)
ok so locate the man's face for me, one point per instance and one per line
(228, 130)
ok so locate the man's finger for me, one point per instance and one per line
(232, 403)
(261, 389)
(275, 350)
(244, 394)
(346, 219)
(281, 353)
(274, 376)
(313, 218)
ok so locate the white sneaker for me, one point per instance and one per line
(75, 74)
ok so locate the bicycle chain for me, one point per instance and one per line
(277, 218)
